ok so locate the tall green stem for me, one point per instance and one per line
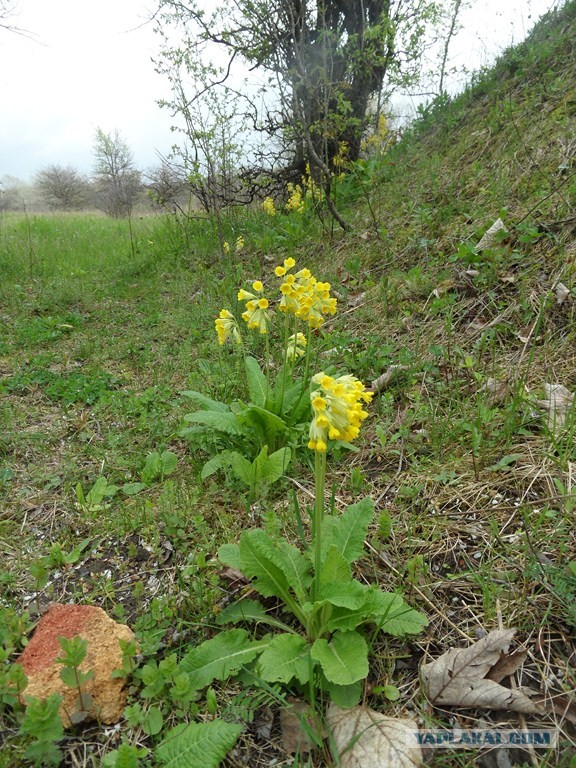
(320, 476)
(267, 404)
(304, 375)
(280, 408)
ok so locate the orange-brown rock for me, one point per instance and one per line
(108, 696)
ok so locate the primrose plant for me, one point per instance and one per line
(256, 439)
(326, 616)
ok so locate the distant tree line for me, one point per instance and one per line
(114, 187)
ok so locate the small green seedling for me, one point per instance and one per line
(75, 650)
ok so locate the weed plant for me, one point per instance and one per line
(103, 328)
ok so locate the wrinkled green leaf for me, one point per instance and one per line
(131, 489)
(221, 422)
(222, 460)
(274, 466)
(265, 423)
(206, 402)
(99, 491)
(348, 531)
(242, 610)
(297, 569)
(259, 562)
(335, 567)
(168, 462)
(344, 660)
(248, 611)
(350, 594)
(257, 384)
(153, 721)
(345, 696)
(287, 657)
(395, 617)
(244, 469)
(220, 657)
(197, 745)
(158, 465)
(229, 554)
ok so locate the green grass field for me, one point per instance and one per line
(105, 323)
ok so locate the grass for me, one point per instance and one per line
(105, 323)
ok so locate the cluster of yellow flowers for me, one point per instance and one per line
(226, 326)
(296, 346)
(268, 206)
(255, 315)
(341, 158)
(313, 191)
(337, 409)
(379, 141)
(296, 200)
(336, 401)
(237, 248)
(304, 296)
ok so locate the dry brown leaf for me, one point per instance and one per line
(297, 725)
(507, 664)
(367, 739)
(490, 237)
(460, 677)
(496, 390)
(234, 576)
(557, 402)
(561, 705)
(263, 723)
(382, 381)
(442, 288)
(562, 293)
(355, 299)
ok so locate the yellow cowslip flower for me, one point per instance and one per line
(226, 247)
(295, 201)
(239, 244)
(256, 318)
(280, 271)
(337, 408)
(226, 326)
(341, 158)
(312, 190)
(268, 206)
(255, 314)
(303, 295)
(296, 346)
(379, 140)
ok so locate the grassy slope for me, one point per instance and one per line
(102, 329)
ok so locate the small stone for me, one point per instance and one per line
(107, 695)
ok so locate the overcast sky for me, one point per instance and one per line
(88, 65)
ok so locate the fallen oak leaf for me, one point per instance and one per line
(507, 664)
(298, 728)
(364, 738)
(460, 677)
(492, 235)
(558, 401)
(562, 293)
